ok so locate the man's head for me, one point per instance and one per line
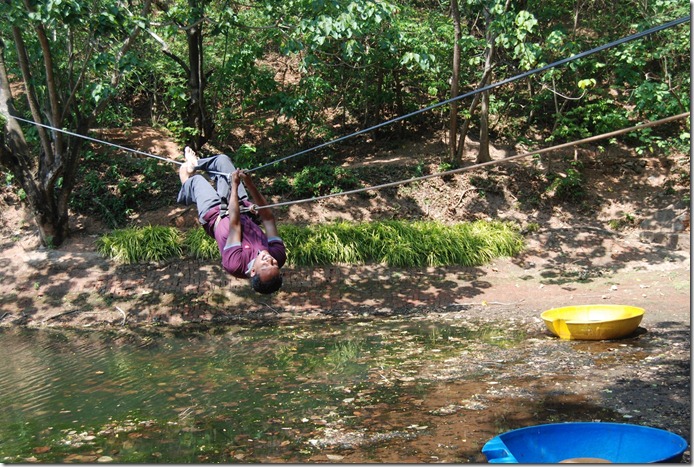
(265, 274)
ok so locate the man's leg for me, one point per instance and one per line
(221, 163)
(195, 189)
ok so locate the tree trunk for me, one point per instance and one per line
(47, 170)
(455, 78)
(53, 227)
(399, 101)
(483, 155)
(197, 117)
(15, 154)
(466, 124)
(378, 101)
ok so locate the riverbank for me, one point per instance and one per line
(77, 287)
(534, 378)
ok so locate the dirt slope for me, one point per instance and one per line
(631, 219)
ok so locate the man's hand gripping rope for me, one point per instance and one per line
(253, 208)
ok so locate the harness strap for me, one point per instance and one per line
(246, 209)
(222, 214)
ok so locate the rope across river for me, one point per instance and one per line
(486, 164)
(431, 107)
(454, 171)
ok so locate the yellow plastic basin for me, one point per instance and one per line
(593, 322)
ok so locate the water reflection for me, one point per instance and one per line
(243, 394)
(389, 390)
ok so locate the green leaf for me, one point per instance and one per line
(586, 83)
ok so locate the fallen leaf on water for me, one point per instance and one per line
(418, 427)
(80, 458)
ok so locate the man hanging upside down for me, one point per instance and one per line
(247, 251)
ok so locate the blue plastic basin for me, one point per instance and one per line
(613, 442)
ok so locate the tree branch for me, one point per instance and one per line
(23, 58)
(75, 88)
(166, 51)
(14, 151)
(117, 75)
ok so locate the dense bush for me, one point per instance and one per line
(393, 243)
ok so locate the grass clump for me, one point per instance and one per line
(393, 243)
(401, 244)
(200, 245)
(143, 244)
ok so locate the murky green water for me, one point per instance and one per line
(245, 394)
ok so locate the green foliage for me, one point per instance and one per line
(322, 180)
(590, 119)
(199, 245)
(302, 104)
(116, 116)
(146, 244)
(82, 33)
(638, 80)
(401, 244)
(93, 195)
(446, 166)
(296, 71)
(627, 220)
(531, 227)
(517, 29)
(246, 156)
(281, 185)
(394, 243)
(370, 59)
(113, 185)
(10, 181)
(568, 186)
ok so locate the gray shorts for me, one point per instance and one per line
(199, 191)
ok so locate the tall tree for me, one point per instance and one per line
(489, 56)
(68, 62)
(489, 10)
(503, 29)
(189, 20)
(455, 81)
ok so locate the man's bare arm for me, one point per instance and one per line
(266, 215)
(234, 211)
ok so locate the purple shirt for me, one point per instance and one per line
(235, 257)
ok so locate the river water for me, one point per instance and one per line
(248, 394)
(389, 390)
